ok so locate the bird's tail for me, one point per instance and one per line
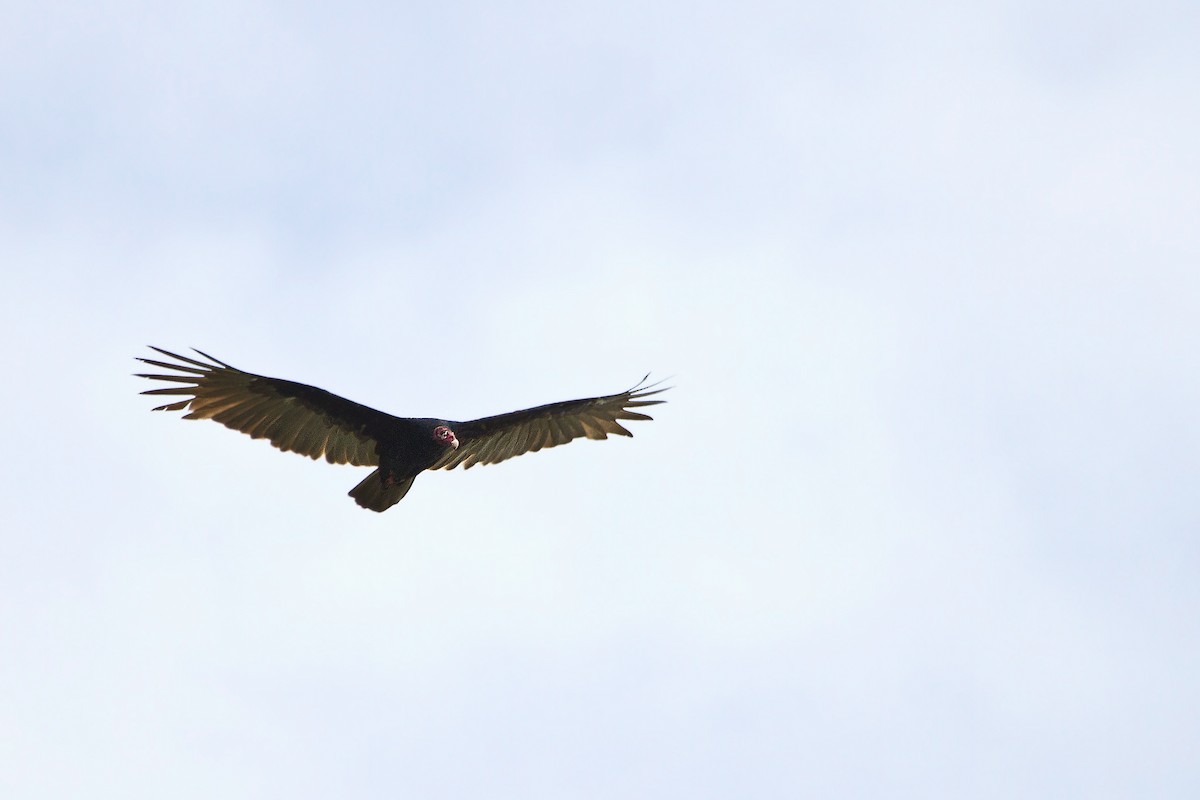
(378, 494)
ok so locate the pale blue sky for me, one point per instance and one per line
(918, 521)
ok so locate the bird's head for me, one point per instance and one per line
(445, 437)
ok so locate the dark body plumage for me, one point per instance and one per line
(316, 423)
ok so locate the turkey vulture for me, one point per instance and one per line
(315, 423)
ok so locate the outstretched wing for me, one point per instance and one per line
(494, 439)
(292, 416)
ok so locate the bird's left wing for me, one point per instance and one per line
(292, 416)
(494, 439)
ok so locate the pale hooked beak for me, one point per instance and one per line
(454, 442)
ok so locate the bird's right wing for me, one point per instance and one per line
(292, 416)
(494, 439)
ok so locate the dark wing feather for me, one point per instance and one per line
(494, 439)
(292, 416)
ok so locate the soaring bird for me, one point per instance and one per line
(315, 423)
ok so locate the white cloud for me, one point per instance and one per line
(916, 520)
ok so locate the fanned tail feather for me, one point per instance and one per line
(376, 494)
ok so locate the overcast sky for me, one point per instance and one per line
(920, 517)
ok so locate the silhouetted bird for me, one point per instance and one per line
(313, 422)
